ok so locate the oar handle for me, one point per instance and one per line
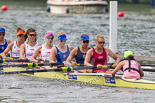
(64, 69)
(31, 65)
(13, 60)
(17, 60)
(105, 66)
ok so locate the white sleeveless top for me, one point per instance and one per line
(15, 51)
(45, 53)
(29, 51)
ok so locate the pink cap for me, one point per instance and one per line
(48, 33)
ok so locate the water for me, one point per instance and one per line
(135, 32)
(21, 89)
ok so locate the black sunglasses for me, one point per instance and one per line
(20, 35)
(86, 41)
(33, 34)
(2, 33)
(100, 42)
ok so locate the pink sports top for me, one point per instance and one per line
(133, 72)
(99, 59)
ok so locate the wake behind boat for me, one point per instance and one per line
(77, 6)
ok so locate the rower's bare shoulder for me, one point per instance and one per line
(11, 44)
(54, 50)
(39, 47)
(23, 45)
(108, 51)
(39, 44)
(70, 47)
(74, 50)
(8, 41)
(90, 51)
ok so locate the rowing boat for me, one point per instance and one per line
(91, 78)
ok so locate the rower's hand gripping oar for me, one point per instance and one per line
(63, 69)
(31, 65)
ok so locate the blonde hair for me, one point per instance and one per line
(83, 35)
(61, 33)
(98, 36)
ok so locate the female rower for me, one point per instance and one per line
(98, 56)
(80, 52)
(45, 49)
(27, 49)
(60, 53)
(130, 66)
(3, 42)
(15, 46)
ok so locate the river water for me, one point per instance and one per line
(136, 31)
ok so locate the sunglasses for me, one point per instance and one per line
(33, 34)
(100, 42)
(20, 35)
(2, 33)
(86, 41)
(49, 37)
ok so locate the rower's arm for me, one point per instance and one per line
(88, 58)
(140, 71)
(71, 56)
(71, 48)
(8, 41)
(52, 56)
(36, 53)
(114, 56)
(22, 51)
(39, 44)
(9, 47)
(119, 66)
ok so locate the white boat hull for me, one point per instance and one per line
(84, 7)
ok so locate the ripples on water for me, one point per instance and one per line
(135, 32)
(22, 89)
